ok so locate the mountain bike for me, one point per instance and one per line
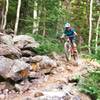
(70, 51)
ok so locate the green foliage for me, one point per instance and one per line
(48, 45)
(96, 56)
(11, 14)
(1, 2)
(51, 17)
(91, 84)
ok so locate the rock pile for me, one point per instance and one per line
(17, 59)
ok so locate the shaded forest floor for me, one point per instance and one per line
(59, 84)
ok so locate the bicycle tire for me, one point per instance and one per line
(67, 51)
(75, 56)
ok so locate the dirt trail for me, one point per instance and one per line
(57, 85)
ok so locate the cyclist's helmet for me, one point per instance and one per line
(67, 25)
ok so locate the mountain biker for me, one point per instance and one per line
(70, 34)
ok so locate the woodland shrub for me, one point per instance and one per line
(48, 45)
(91, 84)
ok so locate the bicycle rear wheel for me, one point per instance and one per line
(75, 55)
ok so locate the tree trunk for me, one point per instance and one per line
(87, 11)
(97, 33)
(1, 13)
(90, 30)
(35, 18)
(17, 17)
(44, 29)
(44, 22)
(5, 15)
(2, 18)
(58, 23)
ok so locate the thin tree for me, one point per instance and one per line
(44, 22)
(35, 17)
(17, 17)
(2, 18)
(2, 4)
(97, 33)
(90, 30)
(5, 15)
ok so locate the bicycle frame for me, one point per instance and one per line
(69, 50)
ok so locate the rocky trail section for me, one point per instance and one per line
(28, 76)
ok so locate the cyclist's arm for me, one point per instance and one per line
(63, 35)
(75, 33)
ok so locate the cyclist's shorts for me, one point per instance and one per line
(72, 39)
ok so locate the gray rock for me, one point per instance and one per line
(5, 66)
(19, 65)
(47, 64)
(36, 58)
(44, 64)
(25, 59)
(2, 86)
(1, 34)
(27, 98)
(44, 61)
(23, 87)
(2, 96)
(25, 41)
(9, 51)
(7, 39)
(76, 98)
(10, 68)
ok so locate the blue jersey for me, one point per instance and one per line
(70, 32)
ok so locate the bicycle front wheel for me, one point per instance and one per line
(67, 51)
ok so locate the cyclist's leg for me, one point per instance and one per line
(73, 44)
(74, 51)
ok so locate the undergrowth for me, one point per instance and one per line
(91, 84)
(48, 45)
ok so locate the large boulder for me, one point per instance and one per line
(25, 41)
(9, 51)
(43, 64)
(47, 62)
(13, 68)
(6, 39)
